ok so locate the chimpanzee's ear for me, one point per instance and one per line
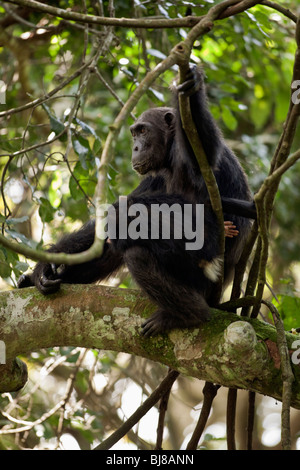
(169, 118)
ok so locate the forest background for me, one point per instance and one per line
(81, 75)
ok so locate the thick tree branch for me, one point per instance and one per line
(226, 350)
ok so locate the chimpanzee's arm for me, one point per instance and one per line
(238, 207)
(208, 131)
(48, 277)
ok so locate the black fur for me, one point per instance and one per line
(175, 279)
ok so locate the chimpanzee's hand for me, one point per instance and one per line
(25, 281)
(194, 81)
(45, 277)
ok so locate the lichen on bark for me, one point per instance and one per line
(227, 350)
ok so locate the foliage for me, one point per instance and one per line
(49, 155)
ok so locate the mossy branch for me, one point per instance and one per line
(226, 350)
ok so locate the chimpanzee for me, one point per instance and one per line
(179, 281)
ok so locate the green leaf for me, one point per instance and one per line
(56, 125)
(97, 146)
(16, 220)
(263, 20)
(46, 211)
(20, 267)
(81, 147)
(86, 128)
(228, 118)
(20, 237)
(158, 95)
(5, 269)
(289, 309)
(156, 53)
(228, 88)
(82, 183)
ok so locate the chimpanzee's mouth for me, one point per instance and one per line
(140, 168)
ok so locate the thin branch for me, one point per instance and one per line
(35, 146)
(46, 257)
(233, 304)
(186, 22)
(251, 415)
(110, 89)
(209, 392)
(46, 97)
(265, 199)
(206, 170)
(163, 405)
(166, 384)
(252, 279)
(68, 392)
(38, 421)
(242, 264)
(287, 377)
(281, 9)
(230, 418)
(275, 176)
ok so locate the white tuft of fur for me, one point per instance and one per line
(213, 270)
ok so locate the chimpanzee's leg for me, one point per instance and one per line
(48, 277)
(180, 306)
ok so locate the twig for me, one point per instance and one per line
(68, 392)
(233, 304)
(111, 91)
(46, 97)
(209, 392)
(166, 384)
(281, 9)
(252, 279)
(230, 418)
(31, 425)
(251, 415)
(161, 420)
(242, 264)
